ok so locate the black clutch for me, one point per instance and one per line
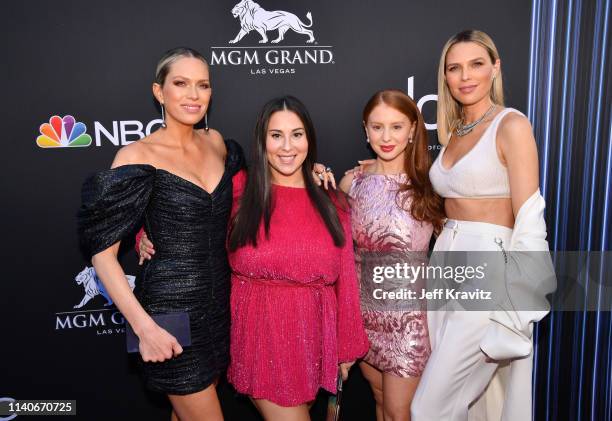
(177, 324)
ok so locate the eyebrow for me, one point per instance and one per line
(278, 130)
(394, 122)
(474, 59)
(186, 78)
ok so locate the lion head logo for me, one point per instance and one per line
(92, 285)
(253, 17)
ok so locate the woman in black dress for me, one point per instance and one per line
(178, 182)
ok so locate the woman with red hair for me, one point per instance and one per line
(394, 211)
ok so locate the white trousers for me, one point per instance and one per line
(456, 384)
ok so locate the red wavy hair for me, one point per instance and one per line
(426, 205)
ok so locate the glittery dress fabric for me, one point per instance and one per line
(295, 305)
(399, 340)
(189, 271)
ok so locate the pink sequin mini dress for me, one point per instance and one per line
(399, 339)
(294, 304)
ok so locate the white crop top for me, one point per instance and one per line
(478, 174)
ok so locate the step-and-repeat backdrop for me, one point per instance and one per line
(77, 87)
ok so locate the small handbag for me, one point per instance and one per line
(177, 324)
(334, 401)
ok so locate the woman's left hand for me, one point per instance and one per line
(344, 369)
(361, 166)
(323, 175)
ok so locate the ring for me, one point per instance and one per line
(328, 169)
(320, 174)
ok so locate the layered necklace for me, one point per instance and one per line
(463, 129)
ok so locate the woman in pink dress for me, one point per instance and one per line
(394, 210)
(295, 315)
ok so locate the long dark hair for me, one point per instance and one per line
(426, 205)
(257, 202)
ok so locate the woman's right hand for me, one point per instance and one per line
(323, 175)
(157, 345)
(145, 249)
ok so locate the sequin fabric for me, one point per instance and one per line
(399, 340)
(294, 304)
(189, 271)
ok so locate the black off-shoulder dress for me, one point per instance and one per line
(189, 271)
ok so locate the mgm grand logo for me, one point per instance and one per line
(96, 310)
(268, 58)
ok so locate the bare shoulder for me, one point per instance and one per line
(215, 140)
(515, 132)
(134, 153)
(347, 180)
(213, 136)
(514, 125)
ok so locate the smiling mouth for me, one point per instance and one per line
(286, 159)
(467, 89)
(192, 108)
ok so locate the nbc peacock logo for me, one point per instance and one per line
(63, 132)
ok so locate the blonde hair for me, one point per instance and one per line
(449, 109)
(168, 59)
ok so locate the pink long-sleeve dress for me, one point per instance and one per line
(295, 312)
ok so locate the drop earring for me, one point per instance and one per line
(206, 121)
(163, 115)
(367, 139)
(409, 140)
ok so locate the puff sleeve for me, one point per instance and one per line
(112, 206)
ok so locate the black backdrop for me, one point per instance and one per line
(95, 61)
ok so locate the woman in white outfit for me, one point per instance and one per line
(486, 171)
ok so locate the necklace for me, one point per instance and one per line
(463, 129)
